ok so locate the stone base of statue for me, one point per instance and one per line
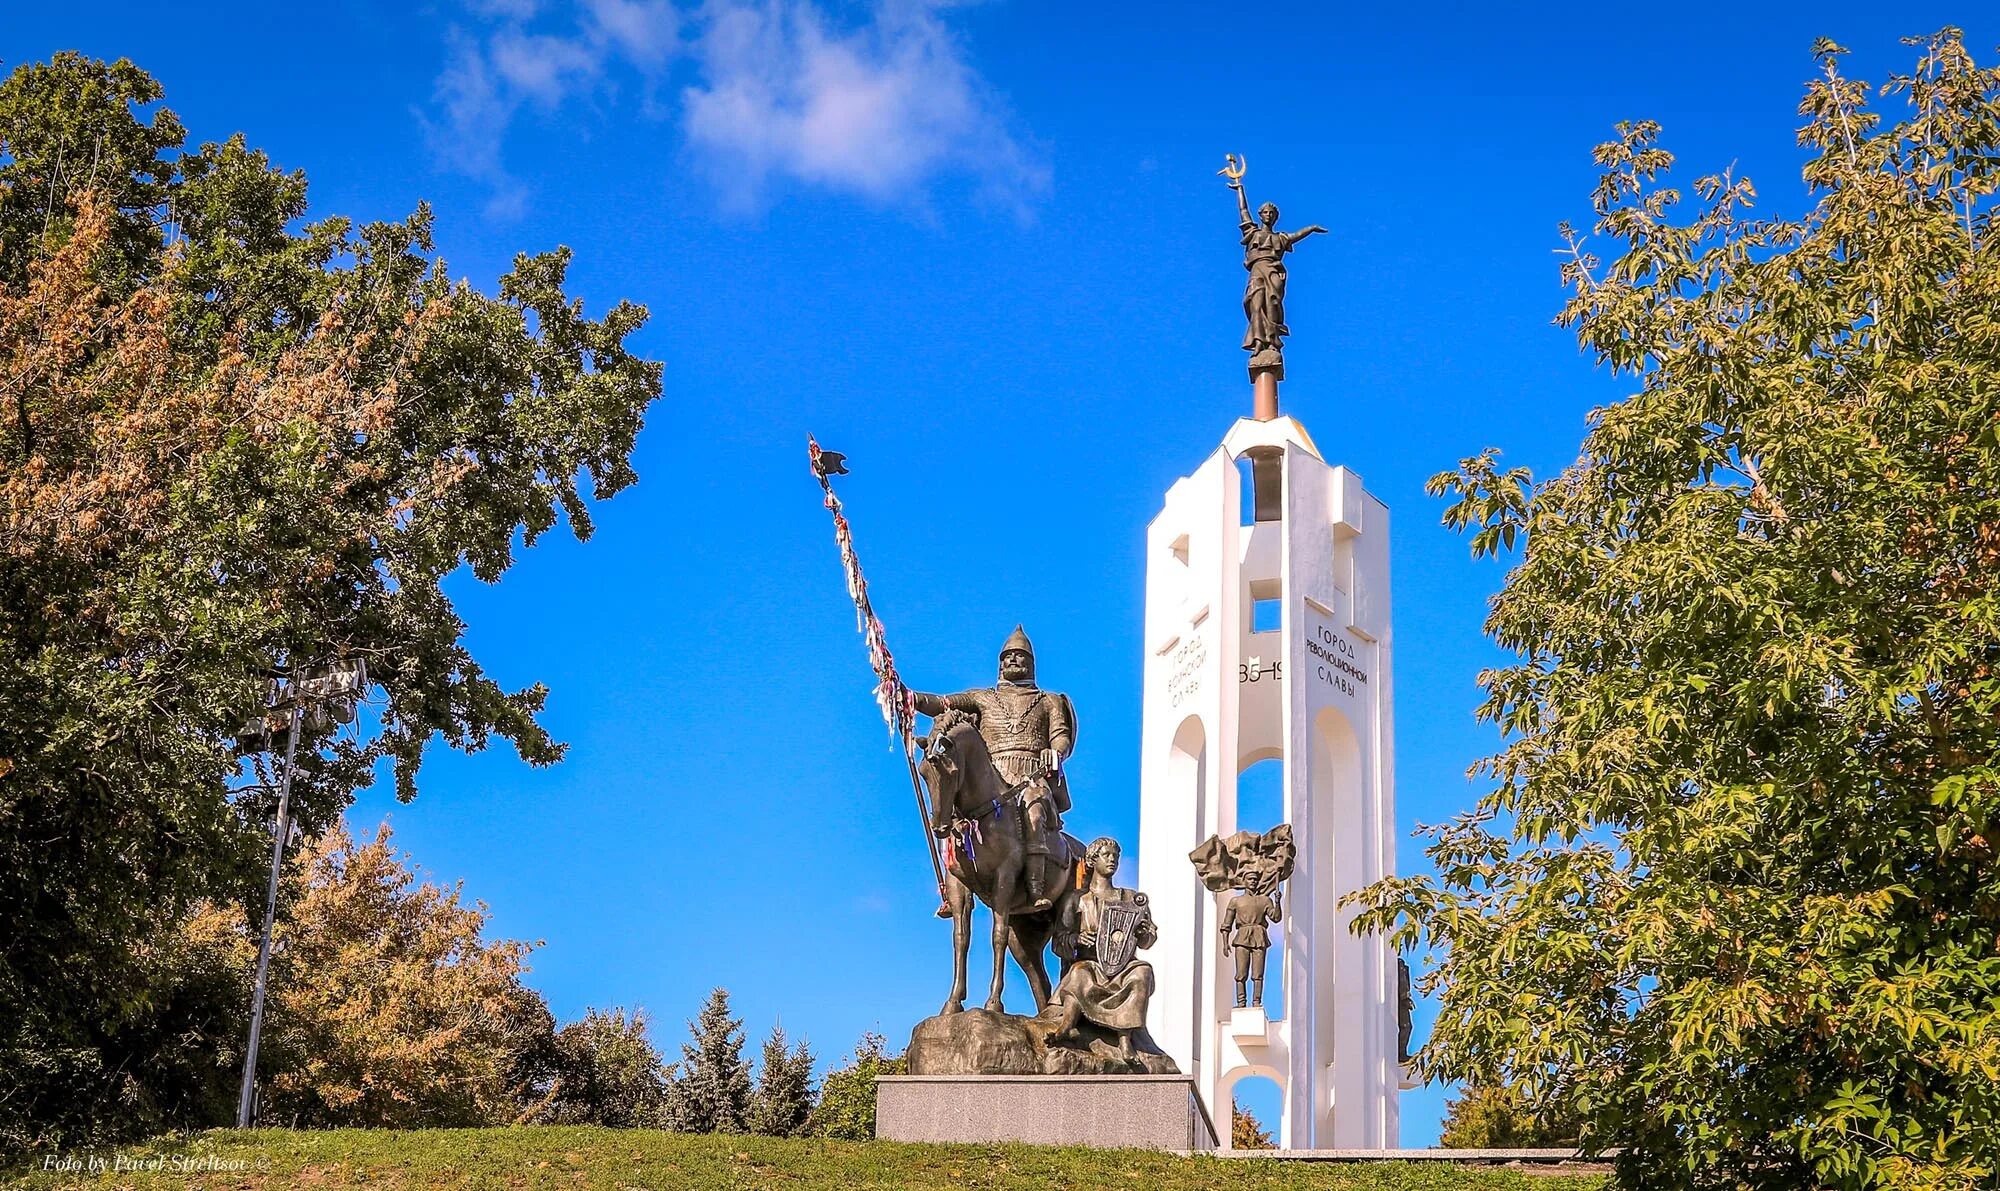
(985, 1077)
(1151, 1112)
(1269, 360)
(978, 1042)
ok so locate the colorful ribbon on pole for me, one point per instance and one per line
(897, 704)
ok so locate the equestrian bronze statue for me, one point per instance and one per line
(1030, 732)
(978, 815)
(992, 762)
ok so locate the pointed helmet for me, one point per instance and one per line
(1018, 639)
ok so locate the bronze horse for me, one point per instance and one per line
(977, 809)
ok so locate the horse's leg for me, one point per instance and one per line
(1003, 895)
(1001, 933)
(1028, 940)
(959, 896)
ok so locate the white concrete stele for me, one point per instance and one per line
(1314, 693)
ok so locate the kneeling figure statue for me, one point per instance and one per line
(1108, 984)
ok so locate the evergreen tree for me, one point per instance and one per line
(710, 1092)
(784, 1096)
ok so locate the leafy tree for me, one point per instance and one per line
(1496, 1117)
(70, 126)
(1245, 1131)
(186, 1038)
(710, 1092)
(388, 1008)
(611, 1073)
(783, 1098)
(846, 1106)
(233, 442)
(1732, 901)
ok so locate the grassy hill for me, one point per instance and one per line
(630, 1160)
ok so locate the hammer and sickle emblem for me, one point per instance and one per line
(1233, 167)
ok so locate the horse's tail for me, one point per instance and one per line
(1063, 943)
(1068, 886)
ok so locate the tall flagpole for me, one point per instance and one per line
(897, 703)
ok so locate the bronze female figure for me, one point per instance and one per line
(1264, 249)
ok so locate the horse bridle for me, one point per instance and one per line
(940, 743)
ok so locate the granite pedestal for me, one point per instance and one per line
(1155, 1112)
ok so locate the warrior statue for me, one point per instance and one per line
(1264, 249)
(1030, 732)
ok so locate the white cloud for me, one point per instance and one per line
(875, 111)
(646, 31)
(540, 66)
(486, 79)
(475, 110)
(515, 10)
(779, 90)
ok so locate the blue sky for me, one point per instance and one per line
(982, 250)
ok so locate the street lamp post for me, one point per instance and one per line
(341, 684)
(243, 1102)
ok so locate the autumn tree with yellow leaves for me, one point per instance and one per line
(389, 1008)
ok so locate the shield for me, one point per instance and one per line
(1059, 787)
(1118, 937)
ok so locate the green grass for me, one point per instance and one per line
(629, 1160)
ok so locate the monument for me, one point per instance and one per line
(1139, 1035)
(1267, 636)
(1083, 1069)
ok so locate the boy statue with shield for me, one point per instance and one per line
(1108, 984)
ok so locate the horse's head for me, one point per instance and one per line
(953, 754)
